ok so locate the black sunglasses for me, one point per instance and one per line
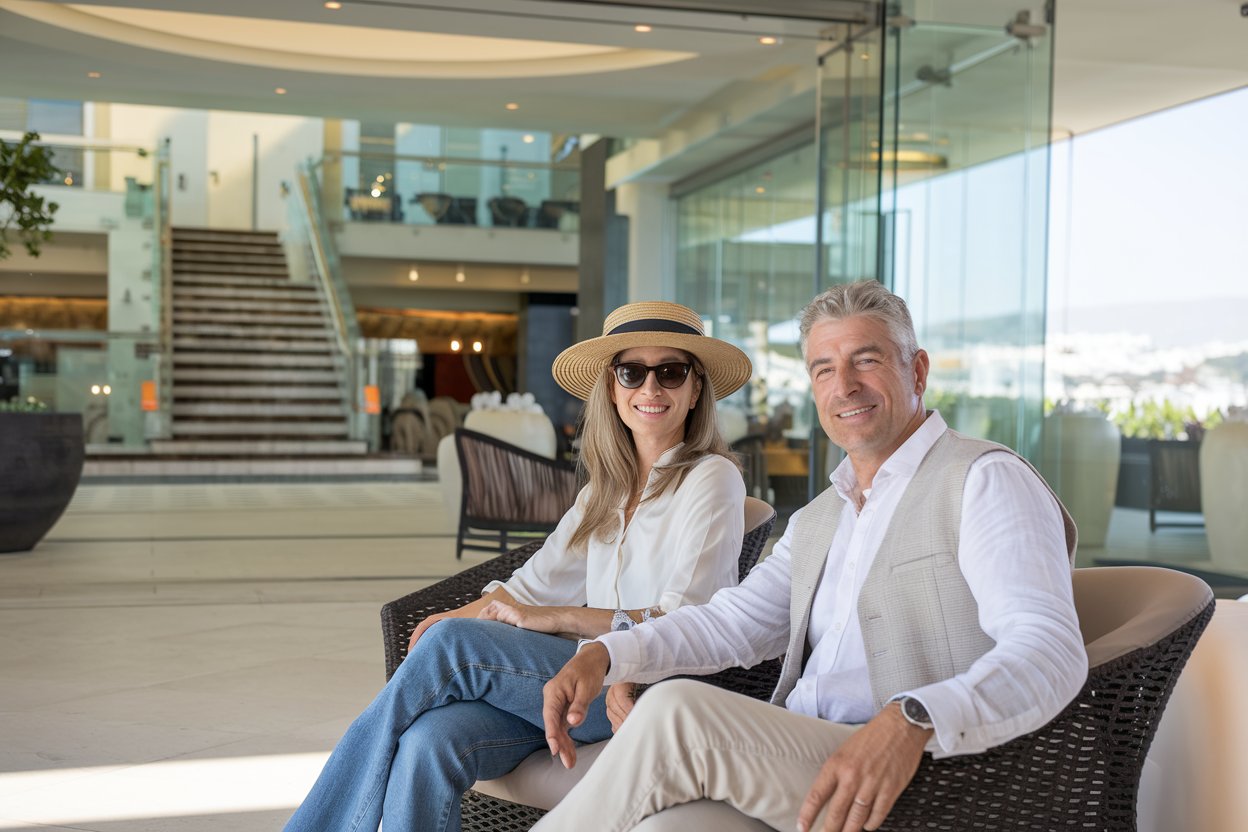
(632, 374)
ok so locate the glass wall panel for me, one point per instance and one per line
(745, 261)
(966, 169)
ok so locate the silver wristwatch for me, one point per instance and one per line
(914, 712)
(621, 620)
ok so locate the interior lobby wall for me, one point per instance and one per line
(211, 159)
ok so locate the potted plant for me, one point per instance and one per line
(23, 165)
(42, 451)
(43, 454)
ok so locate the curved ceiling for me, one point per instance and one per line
(346, 50)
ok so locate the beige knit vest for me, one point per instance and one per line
(920, 622)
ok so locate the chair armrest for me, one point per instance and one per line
(400, 617)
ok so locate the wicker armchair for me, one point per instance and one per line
(483, 813)
(1082, 770)
(507, 490)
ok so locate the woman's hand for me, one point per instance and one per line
(425, 625)
(620, 700)
(469, 610)
(538, 619)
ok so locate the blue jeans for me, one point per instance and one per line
(465, 705)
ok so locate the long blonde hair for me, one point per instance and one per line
(608, 460)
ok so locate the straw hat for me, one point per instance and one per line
(651, 324)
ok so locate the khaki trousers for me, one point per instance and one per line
(687, 741)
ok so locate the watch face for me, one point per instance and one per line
(914, 710)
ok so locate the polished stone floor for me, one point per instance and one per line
(182, 657)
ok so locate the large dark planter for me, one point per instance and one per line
(40, 465)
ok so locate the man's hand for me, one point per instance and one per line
(566, 698)
(539, 619)
(860, 782)
(620, 699)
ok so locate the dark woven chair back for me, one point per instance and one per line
(507, 490)
(760, 519)
(1082, 770)
(749, 449)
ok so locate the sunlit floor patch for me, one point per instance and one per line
(172, 788)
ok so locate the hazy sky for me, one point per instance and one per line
(1153, 209)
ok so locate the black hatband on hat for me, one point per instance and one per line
(654, 325)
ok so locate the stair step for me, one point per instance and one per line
(255, 330)
(257, 447)
(244, 280)
(257, 269)
(262, 246)
(258, 428)
(291, 292)
(193, 342)
(234, 375)
(221, 360)
(264, 410)
(184, 392)
(223, 304)
(320, 467)
(262, 258)
(183, 316)
(221, 235)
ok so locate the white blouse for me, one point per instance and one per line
(680, 548)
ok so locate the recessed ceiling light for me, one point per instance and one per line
(768, 40)
(525, 277)
(280, 90)
(413, 274)
(760, 190)
(333, 6)
(643, 28)
(455, 345)
(460, 277)
(477, 346)
(93, 74)
(511, 105)
(528, 138)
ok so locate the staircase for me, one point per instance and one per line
(256, 368)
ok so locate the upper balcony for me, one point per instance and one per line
(456, 209)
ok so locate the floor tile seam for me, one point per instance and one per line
(257, 538)
(210, 582)
(175, 603)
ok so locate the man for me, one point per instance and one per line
(923, 602)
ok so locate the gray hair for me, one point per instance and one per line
(864, 297)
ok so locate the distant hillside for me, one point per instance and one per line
(1175, 324)
(1179, 323)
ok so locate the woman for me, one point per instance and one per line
(658, 525)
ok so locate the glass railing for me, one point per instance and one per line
(312, 256)
(111, 378)
(431, 190)
(91, 165)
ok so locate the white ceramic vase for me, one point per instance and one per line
(1080, 461)
(1224, 495)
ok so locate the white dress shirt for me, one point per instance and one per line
(679, 548)
(1012, 553)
